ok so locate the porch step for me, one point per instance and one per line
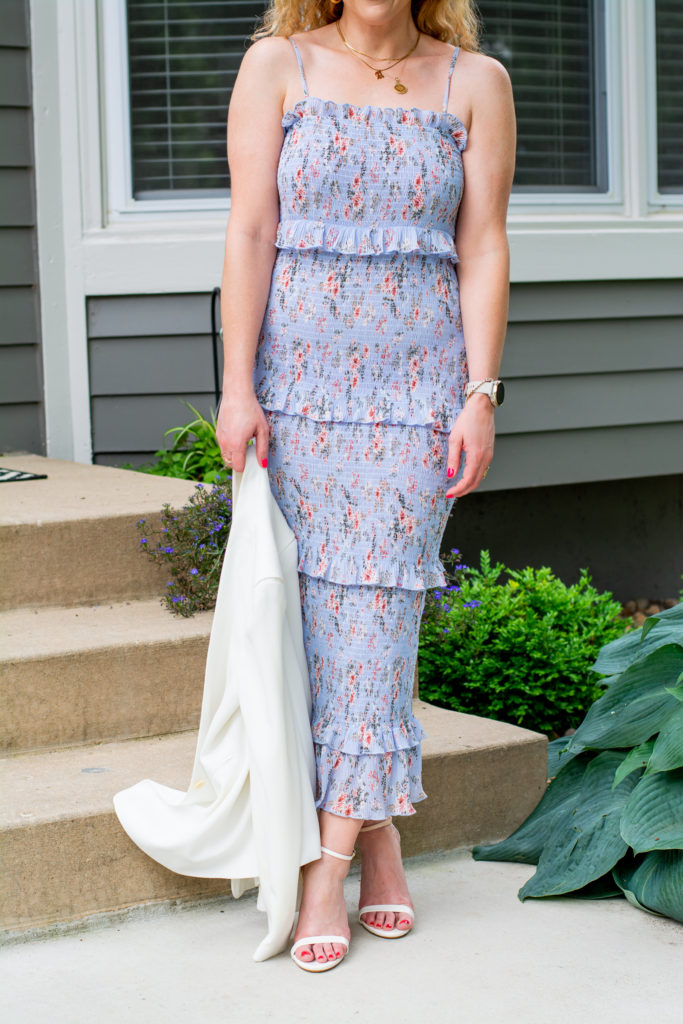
(99, 672)
(66, 856)
(71, 539)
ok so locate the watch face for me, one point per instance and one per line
(500, 393)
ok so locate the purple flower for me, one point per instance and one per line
(194, 572)
(471, 604)
(143, 540)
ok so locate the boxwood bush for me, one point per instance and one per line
(515, 645)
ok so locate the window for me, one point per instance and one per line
(554, 52)
(669, 71)
(183, 57)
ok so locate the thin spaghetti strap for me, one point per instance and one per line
(301, 67)
(456, 51)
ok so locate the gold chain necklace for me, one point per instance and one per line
(379, 73)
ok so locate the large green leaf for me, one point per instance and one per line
(636, 758)
(664, 628)
(635, 706)
(656, 884)
(584, 841)
(558, 755)
(652, 818)
(603, 888)
(667, 752)
(526, 844)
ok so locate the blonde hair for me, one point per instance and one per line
(451, 21)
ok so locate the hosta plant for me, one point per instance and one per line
(611, 819)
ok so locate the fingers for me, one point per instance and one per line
(262, 442)
(234, 452)
(236, 458)
(477, 462)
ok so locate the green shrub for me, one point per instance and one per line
(194, 455)
(611, 819)
(517, 650)
(191, 542)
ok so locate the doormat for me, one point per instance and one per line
(9, 475)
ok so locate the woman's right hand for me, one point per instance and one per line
(240, 417)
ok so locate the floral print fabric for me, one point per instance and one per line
(364, 339)
(366, 502)
(361, 647)
(361, 369)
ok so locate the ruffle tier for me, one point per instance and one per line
(345, 569)
(368, 735)
(364, 239)
(368, 786)
(315, 400)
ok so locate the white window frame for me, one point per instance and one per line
(656, 200)
(122, 205)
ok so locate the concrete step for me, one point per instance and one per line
(71, 539)
(99, 672)
(66, 857)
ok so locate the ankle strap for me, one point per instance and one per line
(377, 824)
(340, 856)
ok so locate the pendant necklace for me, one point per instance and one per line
(379, 73)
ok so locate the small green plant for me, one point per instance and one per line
(611, 819)
(519, 649)
(194, 455)
(191, 541)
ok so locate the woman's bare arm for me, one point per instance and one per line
(254, 143)
(484, 260)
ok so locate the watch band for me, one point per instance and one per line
(491, 386)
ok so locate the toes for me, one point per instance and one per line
(403, 923)
(388, 922)
(328, 951)
(338, 950)
(319, 952)
(305, 954)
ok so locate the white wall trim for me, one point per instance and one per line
(59, 230)
(176, 247)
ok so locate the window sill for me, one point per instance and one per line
(186, 255)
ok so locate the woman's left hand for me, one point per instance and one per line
(471, 438)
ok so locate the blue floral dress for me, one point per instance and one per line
(361, 369)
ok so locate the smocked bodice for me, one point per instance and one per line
(368, 180)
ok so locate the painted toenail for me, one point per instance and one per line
(331, 956)
(338, 954)
(388, 926)
(321, 958)
(405, 922)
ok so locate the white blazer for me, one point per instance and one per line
(249, 813)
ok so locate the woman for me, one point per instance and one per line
(349, 339)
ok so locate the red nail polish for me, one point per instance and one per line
(264, 462)
(451, 471)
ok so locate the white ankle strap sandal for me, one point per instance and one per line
(310, 940)
(390, 908)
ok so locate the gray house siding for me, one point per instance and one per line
(21, 408)
(589, 447)
(594, 376)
